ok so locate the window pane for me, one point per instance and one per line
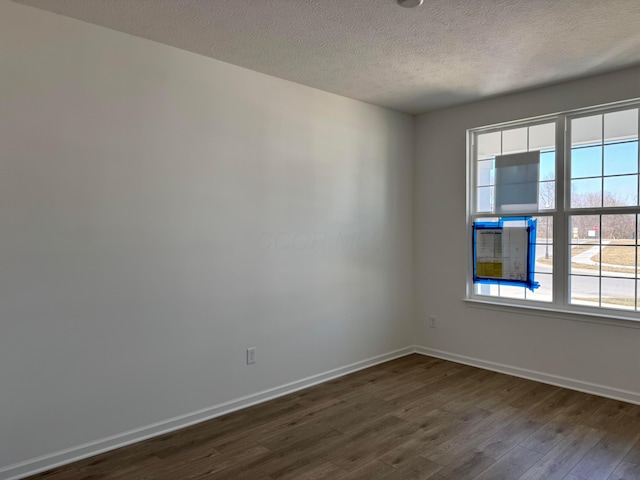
(485, 172)
(620, 191)
(485, 199)
(586, 162)
(548, 165)
(544, 293)
(586, 193)
(585, 259)
(621, 125)
(585, 249)
(586, 130)
(618, 261)
(489, 145)
(547, 195)
(621, 158)
(544, 229)
(584, 229)
(542, 137)
(619, 293)
(618, 229)
(514, 141)
(487, 289)
(544, 258)
(544, 245)
(585, 290)
(509, 291)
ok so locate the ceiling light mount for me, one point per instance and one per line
(410, 3)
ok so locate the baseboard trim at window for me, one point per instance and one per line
(558, 381)
(80, 452)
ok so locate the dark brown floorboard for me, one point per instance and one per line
(414, 418)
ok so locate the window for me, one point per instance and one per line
(580, 181)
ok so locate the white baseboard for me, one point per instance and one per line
(47, 462)
(570, 383)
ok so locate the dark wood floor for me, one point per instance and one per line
(413, 418)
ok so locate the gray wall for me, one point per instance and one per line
(590, 353)
(161, 212)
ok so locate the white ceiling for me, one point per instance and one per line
(413, 60)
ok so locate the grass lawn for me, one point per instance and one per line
(624, 259)
(623, 256)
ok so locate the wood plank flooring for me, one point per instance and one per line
(414, 418)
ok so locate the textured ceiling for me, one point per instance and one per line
(414, 60)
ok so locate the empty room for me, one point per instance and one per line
(319, 240)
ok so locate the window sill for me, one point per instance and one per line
(547, 311)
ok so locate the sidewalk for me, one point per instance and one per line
(585, 257)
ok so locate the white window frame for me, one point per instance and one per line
(560, 304)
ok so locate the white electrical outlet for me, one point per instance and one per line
(251, 355)
(432, 321)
